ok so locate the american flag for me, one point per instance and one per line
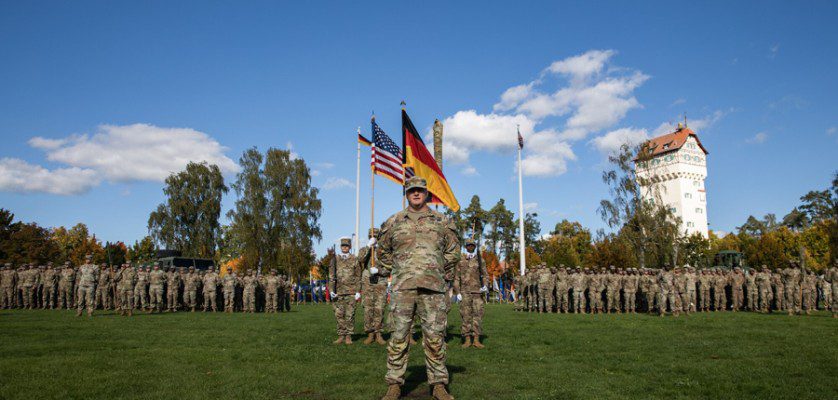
(520, 139)
(386, 156)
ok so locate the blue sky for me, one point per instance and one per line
(93, 93)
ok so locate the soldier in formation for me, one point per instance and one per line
(471, 282)
(373, 291)
(345, 289)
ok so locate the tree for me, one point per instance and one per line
(532, 231)
(753, 227)
(612, 250)
(188, 220)
(276, 218)
(694, 250)
(143, 251)
(818, 206)
(636, 208)
(502, 232)
(76, 243)
(115, 253)
(25, 243)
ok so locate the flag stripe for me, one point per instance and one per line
(386, 155)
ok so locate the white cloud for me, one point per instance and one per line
(127, 153)
(696, 125)
(583, 66)
(831, 130)
(759, 138)
(678, 101)
(337, 183)
(19, 176)
(530, 207)
(469, 170)
(611, 142)
(138, 152)
(513, 96)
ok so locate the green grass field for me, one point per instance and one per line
(53, 354)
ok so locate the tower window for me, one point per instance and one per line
(688, 195)
(699, 210)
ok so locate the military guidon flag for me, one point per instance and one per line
(386, 156)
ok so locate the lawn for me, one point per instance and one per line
(53, 354)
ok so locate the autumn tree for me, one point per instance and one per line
(143, 251)
(76, 243)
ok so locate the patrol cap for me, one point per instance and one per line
(345, 242)
(415, 182)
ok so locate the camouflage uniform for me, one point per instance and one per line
(779, 291)
(546, 285)
(28, 279)
(578, 281)
(141, 300)
(126, 280)
(420, 251)
(679, 280)
(228, 284)
(690, 279)
(737, 280)
(762, 281)
(832, 277)
(704, 284)
(88, 274)
(751, 290)
(374, 289)
(666, 282)
(210, 282)
(172, 288)
(791, 282)
(344, 283)
(250, 283)
(595, 286)
(272, 284)
(719, 295)
(50, 280)
(471, 280)
(191, 282)
(103, 294)
(809, 292)
(8, 279)
(613, 283)
(66, 282)
(562, 289)
(156, 279)
(630, 284)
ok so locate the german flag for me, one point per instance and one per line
(364, 141)
(419, 160)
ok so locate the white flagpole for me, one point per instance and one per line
(358, 198)
(522, 249)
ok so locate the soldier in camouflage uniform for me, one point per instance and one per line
(191, 282)
(719, 295)
(578, 281)
(8, 279)
(679, 281)
(737, 281)
(630, 284)
(210, 283)
(471, 282)
(26, 282)
(172, 289)
(651, 289)
(562, 288)
(808, 288)
(156, 279)
(691, 282)
(126, 280)
(228, 284)
(419, 248)
(141, 300)
(762, 282)
(66, 283)
(667, 295)
(88, 274)
(751, 290)
(374, 289)
(50, 280)
(595, 287)
(546, 279)
(779, 291)
(345, 289)
(825, 288)
(103, 295)
(791, 282)
(831, 276)
(613, 284)
(250, 283)
(704, 284)
(271, 283)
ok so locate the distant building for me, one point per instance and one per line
(678, 167)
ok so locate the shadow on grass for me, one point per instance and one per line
(416, 377)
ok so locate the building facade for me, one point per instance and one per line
(677, 169)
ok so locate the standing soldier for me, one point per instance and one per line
(690, 279)
(103, 296)
(271, 283)
(419, 248)
(751, 289)
(156, 279)
(809, 289)
(345, 289)
(737, 280)
(8, 279)
(26, 282)
(651, 290)
(250, 283)
(172, 289)
(630, 284)
(210, 281)
(49, 282)
(719, 295)
(191, 281)
(287, 293)
(562, 288)
(832, 278)
(666, 281)
(374, 289)
(471, 282)
(126, 281)
(762, 281)
(612, 290)
(791, 281)
(680, 284)
(595, 286)
(578, 282)
(229, 283)
(65, 287)
(88, 274)
(546, 279)
(779, 291)
(704, 283)
(141, 300)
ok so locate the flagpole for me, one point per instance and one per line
(372, 201)
(404, 154)
(358, 198)
(521, 245)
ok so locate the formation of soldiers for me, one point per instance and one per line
(680, 290)
(129, 288)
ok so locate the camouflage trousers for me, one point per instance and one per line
(692, 301)
(668, 296)
(631, 301)
(155, 294)
(737, 299)
(704, 299)
(613, 297)
(344, 306)
(579, 300)
(562, 299)
(808, 297)
(545, 299)
(650, 300)
(140, 296)
(249, 299)
(65, 296)
(780, 298)
(793, 298)
(126, 298)
(229, 300)
(719, 299)
(103, 297)
(764, 298)
(432, 309)
(375, 299)
(171, 298)
(270, 300)
(595, 299)
(209, 300)
(190, 297)
(48, 296)
(752, 302)
(471, 314)
(86, 297)
(26, 294)
(834, 302)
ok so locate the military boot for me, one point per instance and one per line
(467, 343)
(394, 392)
(78, 313)
(339, 340)
(380, 339)
(122, 313)
(477, 342)
(130, 313)
(370, 338)
(440, 393)
(348, 339)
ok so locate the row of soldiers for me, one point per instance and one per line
(683, 289)
(151, 288)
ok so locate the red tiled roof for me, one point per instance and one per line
(673, 141)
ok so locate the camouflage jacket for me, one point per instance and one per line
(126, 278)
(156, 278)
(346, 279)
(419, 249)
(210, 281)
(577, 281)
(250, 282)
(470, 276)
(271, 283)
(88, 274)
(68, 276)
(229, 282)
(191, 281)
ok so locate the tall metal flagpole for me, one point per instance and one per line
(521, 245)
(358, 198)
